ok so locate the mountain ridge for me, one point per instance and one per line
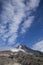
(29, 57)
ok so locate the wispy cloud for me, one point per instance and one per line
(31, 6)
(27, 24)
(12, 14)
(38, 46)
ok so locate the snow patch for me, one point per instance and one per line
(17, 50)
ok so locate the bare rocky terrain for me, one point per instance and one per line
(21, 58)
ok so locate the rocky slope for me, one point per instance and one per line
(21, 55)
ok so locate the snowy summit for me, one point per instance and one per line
(17, 49)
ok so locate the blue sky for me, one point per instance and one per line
(21, 22)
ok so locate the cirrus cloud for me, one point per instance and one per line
(38, 46)
(12, 14)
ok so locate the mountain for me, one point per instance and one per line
(25, 49)
(21, 55)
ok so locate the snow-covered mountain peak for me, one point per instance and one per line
(18, 48)
(25, 49)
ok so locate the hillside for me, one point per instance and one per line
(29, 57)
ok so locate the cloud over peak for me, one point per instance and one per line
(12, 14)
(38, 46)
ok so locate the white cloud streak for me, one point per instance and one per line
(31, 6)
(38, 46)
(27, 24)
(12, 16)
